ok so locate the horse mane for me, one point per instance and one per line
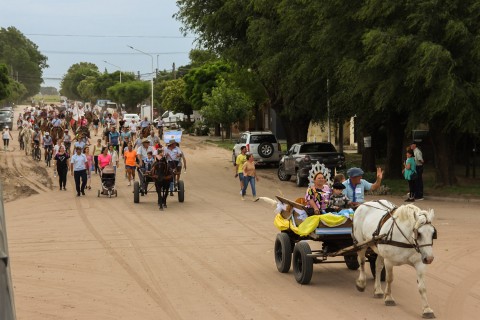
(406, 213)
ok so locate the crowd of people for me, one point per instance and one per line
(134, 146)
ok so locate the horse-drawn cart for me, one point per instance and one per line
(335, 233)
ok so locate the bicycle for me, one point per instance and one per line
(48, 155)
(36, 152)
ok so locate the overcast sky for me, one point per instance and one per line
(72, 31)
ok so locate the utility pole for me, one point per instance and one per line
(174, 72)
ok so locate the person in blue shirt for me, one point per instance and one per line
(355, 186)
(114, 138)
(409, 169)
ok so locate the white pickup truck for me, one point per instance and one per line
(171, 119)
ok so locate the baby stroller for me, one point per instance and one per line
(108, 182)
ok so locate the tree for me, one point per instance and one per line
(4, 82)
(226, 105)
(24, 60)
(130, 93)
(49, 91)
(173, 97)
(75, 74)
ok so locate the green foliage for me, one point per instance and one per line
(226, 105)
(76, 74)
(105, 80)
(24, 60)
(129, 93)
(173, 97)
(200, 81)
(4, 82)
(49, 91)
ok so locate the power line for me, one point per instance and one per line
(110, 53)
(104, 36)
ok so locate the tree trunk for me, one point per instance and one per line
(395, 150)
(217, 130)
(340, 135)
(296, 130)
(444, 146)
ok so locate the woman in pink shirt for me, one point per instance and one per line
(104, 159)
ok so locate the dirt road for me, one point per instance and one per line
(207, 258)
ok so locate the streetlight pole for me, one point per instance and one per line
(151, 56)
(119, 69)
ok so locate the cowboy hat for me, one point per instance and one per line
(145, 141)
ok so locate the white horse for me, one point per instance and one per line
(27, 134)
(409, 239)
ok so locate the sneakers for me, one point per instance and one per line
(419, 199)
(83, 193)
(78, 194)
(129, 183)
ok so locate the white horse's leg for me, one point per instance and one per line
(362, 278)
(378, 293)
(389, 301)
(427, 311)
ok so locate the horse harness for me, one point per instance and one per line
(388, 239)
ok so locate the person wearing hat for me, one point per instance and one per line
(142, 155)
(47, 144)
(417, 153)
(113, 138)
(338, 200)
(355, 186)
(174, 156)
(6, 136)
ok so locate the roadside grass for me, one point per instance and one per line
(47, 98)
(226, 144)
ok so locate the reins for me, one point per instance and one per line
(388, 240)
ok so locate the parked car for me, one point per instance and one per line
(6, 119)
(299, 159)
(262, 144)
(128, 118)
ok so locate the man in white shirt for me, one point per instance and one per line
(417, 153)
(78, 168)
(142, 154)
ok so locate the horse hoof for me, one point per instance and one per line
(428, 315)
(360, 288)
(390, 303)
(378, 295)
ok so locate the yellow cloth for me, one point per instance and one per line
(241, 159)
(310, 224)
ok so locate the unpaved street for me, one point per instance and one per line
(207, 258)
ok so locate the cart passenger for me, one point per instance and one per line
(315, 195)
(142, 155)
(338, 200)
(355, 186)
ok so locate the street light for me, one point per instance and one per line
(119, 69)
(151, 56)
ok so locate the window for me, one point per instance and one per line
(268, 138)
(318, 147)
(243, 138)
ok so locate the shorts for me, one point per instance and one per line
(130, 167)
(240, 176)
(95, 126)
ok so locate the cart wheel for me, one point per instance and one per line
(283, 252)
(98, 195)
(351, 261)
(372, 260)
(181, 191)
(136, 192)
(302, 264)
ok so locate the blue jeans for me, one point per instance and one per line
(251, 180)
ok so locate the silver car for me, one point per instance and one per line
(262, 144)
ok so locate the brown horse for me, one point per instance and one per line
(57, 133)
(162, 173)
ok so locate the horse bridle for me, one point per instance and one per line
(388, 238)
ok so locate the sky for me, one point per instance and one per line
(72, 31)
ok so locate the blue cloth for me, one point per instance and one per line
(413, 168)
(80, 144)
(114, 137)
(79, 162)
(356, 193)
